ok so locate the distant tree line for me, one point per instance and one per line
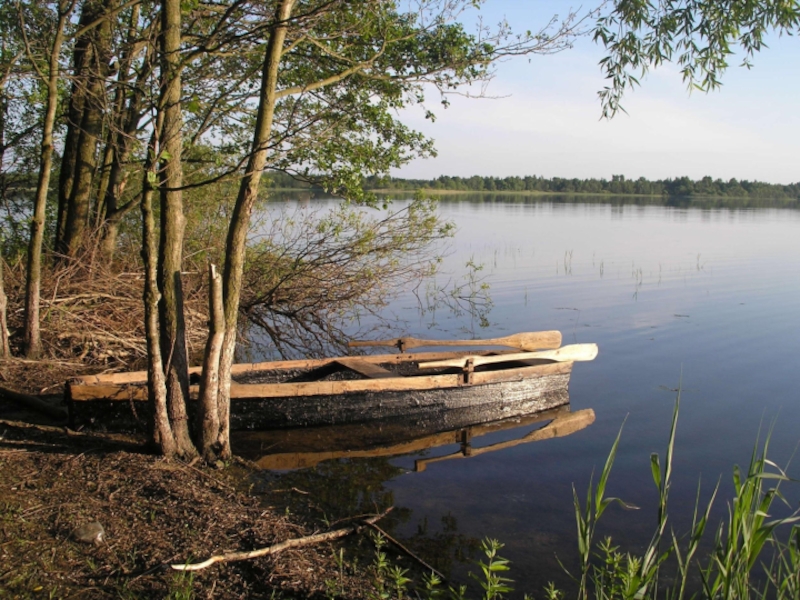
(678, 187)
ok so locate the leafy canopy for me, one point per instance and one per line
(699, 35)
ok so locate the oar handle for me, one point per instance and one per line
(407, 343)
(358, 343)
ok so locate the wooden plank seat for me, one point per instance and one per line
(365, 368)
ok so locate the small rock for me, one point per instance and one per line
(90, 533)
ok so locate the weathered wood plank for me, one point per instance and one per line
(290, 365)
(119, 392)
(365, 368)
(501, 375)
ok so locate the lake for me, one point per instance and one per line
(705, 299)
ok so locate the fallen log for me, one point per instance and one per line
(33, 403)
(280, 547)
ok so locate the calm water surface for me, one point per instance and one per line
(708, 299)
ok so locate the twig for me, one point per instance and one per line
(280, 547)
(292, 489)
(407, 551)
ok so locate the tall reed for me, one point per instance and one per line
(746, 535)
(747, 559)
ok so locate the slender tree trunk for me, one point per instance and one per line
(161, 430)
(3, 120)
(171, 318)
(128, 114)
(109, 150)
(208, 409)
(31, 333)
(5, 350)
(240, 222)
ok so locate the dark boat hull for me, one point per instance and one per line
(462, 405)
(480, 397)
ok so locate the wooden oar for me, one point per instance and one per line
(536, 340)
(565, 354)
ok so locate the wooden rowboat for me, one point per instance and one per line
(356, 389)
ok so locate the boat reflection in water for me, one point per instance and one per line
(301, 448)
(346, 470)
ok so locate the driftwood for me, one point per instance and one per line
(280, 547)
(33, 403)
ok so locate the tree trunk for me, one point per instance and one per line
(91, 126)
(171, 318)
(31, 332)
(161, 431)
(5, 350)
(81, 58)
(3, 120)
(208, 416)
(128, 109)
(240, 222)
(108, 152)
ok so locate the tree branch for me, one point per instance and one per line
(280, 547)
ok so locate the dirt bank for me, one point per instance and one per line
(154, 513)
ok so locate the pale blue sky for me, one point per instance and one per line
(549, 123)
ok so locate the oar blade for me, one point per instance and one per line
(574, 352)
(535, 340)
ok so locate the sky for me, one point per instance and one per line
(544, 117)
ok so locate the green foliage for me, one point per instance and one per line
(700, 35)
(349, 69)
(493, 583)
(392, 582)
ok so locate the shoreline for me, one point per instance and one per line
(776, 201)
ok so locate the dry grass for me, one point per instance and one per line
(93, 319)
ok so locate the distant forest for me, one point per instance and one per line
(680, 187)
